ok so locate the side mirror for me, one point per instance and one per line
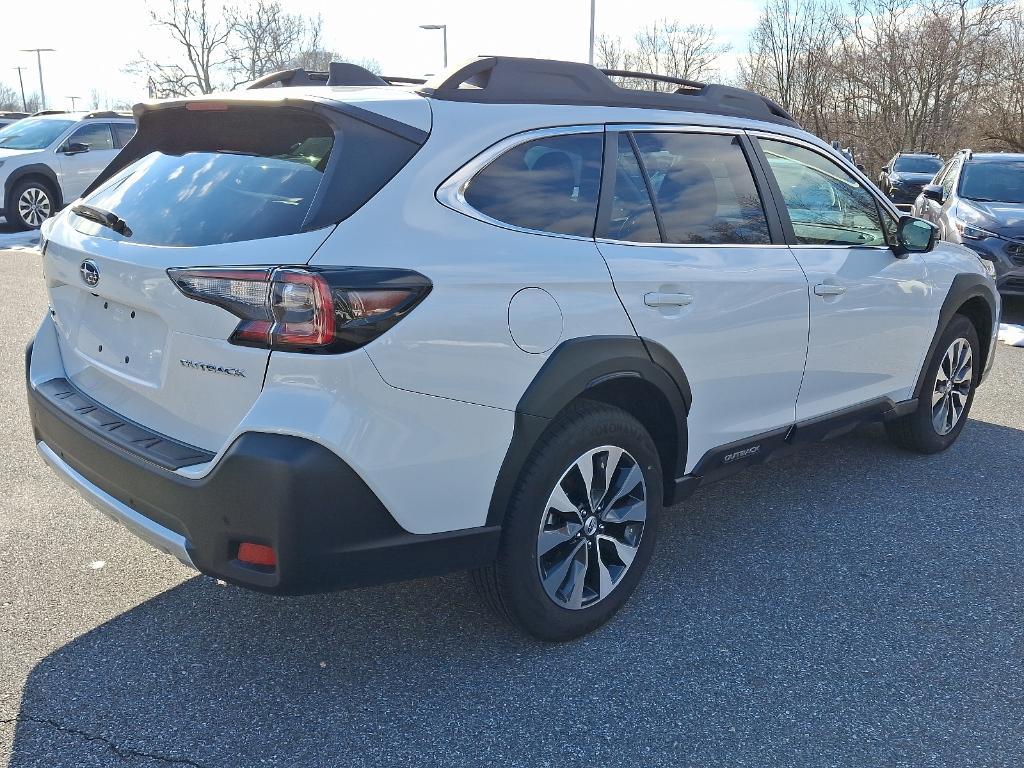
(75, 148)
(886, 169)
(915, 235)
(934, 192)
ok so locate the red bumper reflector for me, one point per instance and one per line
(256, 554)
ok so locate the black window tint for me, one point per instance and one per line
(826, 204)
(96, 136)
(219, 184)
(703, 188)
(548, 184)
(632, 215)
(123, 133)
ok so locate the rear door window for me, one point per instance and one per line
(205, 177)
(549, 185)
(703, 188)
(123, 133)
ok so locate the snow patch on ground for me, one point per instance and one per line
(1011, 334)
(20, 240)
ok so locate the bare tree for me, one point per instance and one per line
(666, 47)
(1001, 106)
(689, 51)
(200, 35)
(10, 99)
(264, 38)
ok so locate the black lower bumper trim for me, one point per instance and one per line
(328, 529)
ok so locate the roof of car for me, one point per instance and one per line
(988, 157)
(511, 80)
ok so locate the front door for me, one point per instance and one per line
(872, 313)
(698, 273)
(78, 168)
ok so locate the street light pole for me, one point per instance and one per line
(39, 60)
(593, 12)
(24, 103)
(73, 100)
(444, 32)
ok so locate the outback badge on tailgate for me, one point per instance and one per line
(211, 368)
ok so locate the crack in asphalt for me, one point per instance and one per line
(122, 752)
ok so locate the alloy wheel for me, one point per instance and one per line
(34, 206)
(952, 386)
(591, 527)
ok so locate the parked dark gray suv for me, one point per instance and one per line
(977, 200)
(904, 176)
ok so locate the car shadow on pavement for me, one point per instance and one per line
(850, 604)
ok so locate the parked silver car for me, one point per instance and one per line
(49, 160)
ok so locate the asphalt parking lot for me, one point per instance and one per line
(851, 605)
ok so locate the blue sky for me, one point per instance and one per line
(93, 48)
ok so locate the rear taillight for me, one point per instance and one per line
(305, 309)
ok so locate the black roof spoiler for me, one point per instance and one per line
(514, 80)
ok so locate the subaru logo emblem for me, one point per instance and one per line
(90, 272)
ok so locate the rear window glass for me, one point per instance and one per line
(549, 185)
(205, 177)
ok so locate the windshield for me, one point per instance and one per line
(917, 164)
(1001, 181)
(30, 133)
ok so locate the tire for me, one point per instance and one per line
(31, 202)
(596, 558)
(928, 429)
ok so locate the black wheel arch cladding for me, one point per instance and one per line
(28, 172)
(638, 375)
(972, 296)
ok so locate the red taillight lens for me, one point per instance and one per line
(307, 310)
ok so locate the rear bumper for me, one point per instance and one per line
(327, 528)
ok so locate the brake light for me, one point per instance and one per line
(305, 309)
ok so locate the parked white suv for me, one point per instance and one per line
(306, 338)
(48, 160)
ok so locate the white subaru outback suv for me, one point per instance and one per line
(311, 337)
(48, 160)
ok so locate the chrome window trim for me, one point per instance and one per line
(452, 191)
(672, 128)
(759, 246)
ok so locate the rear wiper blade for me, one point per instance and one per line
(106, 218)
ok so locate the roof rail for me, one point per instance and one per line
(13, 114)
(513, 80)
(340, 73)
(106, 113)
(49, 112)
(690, 84)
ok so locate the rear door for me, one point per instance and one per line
(212, 188)
(699, 271)
(79, 168)
(872, 314)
